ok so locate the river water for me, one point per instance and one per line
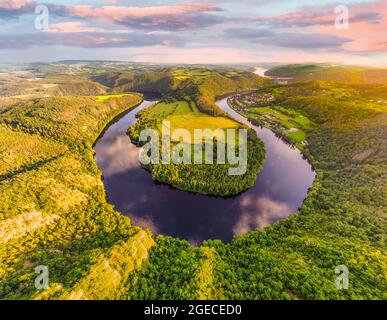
(279, 190)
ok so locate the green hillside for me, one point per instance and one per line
(53, 209)
(310, 72)
(201, 85)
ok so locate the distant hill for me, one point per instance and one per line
(202, 84)
(136, 80)
(81, 87)
(309, 72)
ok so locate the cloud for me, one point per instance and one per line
(304, 32)
(306, 41)
(86, 40)
(373, 43)
(175, 17)
(159, 32)
(72, 27)
(10, 9)
(286, 39)
(14, 4)
(189, 16)
(80, 27)
(368, 17)
(325, 15)
(249, 34)
(157, 23)
(119, 155)
(367, 30)
(259, 213)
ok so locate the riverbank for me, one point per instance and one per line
(283, 183)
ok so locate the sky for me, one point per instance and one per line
(204, 31)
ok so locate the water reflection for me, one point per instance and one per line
(279, 190)
(258, 213)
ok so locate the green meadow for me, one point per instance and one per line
(289, 123)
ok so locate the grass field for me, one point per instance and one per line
(164, 109)
(192, 121)
(106, 98)
(289, 122)
(296, 136)
(183, 115)
(197, 75)
(288, 118)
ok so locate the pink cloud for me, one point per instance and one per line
(301, 18)
(176, 17)
(72, 27)
(14, 4)
(367, 24)
(80, 27)
(164, 17)
(121, 12)
(367, 36)
(369, 13)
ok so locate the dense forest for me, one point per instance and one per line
(330, 72)
(54, 210)
(341, 222)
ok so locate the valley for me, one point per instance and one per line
(75, 199)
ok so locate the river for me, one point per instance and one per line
(279, 190)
